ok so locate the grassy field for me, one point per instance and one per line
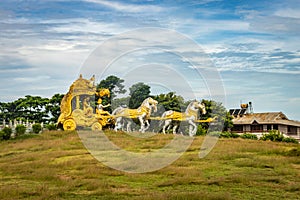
(55, 165)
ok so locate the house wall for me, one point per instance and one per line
(282, 129)
(265, 128)
(247, 128)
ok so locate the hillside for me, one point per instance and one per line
(55, 165)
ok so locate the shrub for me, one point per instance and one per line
(215, 133)
(1, 135)
(20, 129)
(273, 135)
(249, 136)
(225, 135)
(290, 140)
(51, 127)
(229, 135)
(6, 133)
(36, 128)
(201, 130)
(235, 135)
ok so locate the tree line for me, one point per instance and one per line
(47, 110)
(32, 108)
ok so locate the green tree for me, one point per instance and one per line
(114, 84)
(216, 109)
(138, 92)
(53, 107)
(120, 101)
(8, 111)
(169, 101)
(32, 108)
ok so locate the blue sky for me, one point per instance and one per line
(255, 45)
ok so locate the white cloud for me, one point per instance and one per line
(131, 8)
(288, 12)
(85, 26)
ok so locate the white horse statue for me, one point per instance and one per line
(142, 113)
(190, 115)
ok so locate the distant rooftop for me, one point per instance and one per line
(264, 118)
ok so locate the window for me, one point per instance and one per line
(292, 129)
(275, 127)
(237, 128)
(269, 127)
(255, 128)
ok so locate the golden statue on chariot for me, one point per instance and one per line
(76, 108)
(82, 107)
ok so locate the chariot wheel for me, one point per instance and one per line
(69, 125)
(96, 126)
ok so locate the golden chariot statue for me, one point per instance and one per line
(78, 109)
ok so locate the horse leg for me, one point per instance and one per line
(166, 125)
(164, 129)
(142, 122)
(175, 128)
(128, 125)
(147, 125)
(118, 124)
(192, 128)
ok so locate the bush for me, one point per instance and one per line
(6, 133)
(51, 127)
(215, 133)
(201, 130)
(273, 135)
(290, 140)
(249, 136)
(20, 129)
(36, 128)
(225, 135)
(1, 135)
(235, 135)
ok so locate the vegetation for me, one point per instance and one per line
(32, 108)
(216, 109)
(229, 135)
(138, 92)
(115, 86)
(277, 136)
(20, 129)
(51, 127)
(5, 133)
(55, 165)
(249, 136)
(170, 101)
(36, 128)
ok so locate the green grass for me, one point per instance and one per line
(55, 165)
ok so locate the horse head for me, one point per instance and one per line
(194, 106)
(153, 103)
(150, 103)
(203, 109)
